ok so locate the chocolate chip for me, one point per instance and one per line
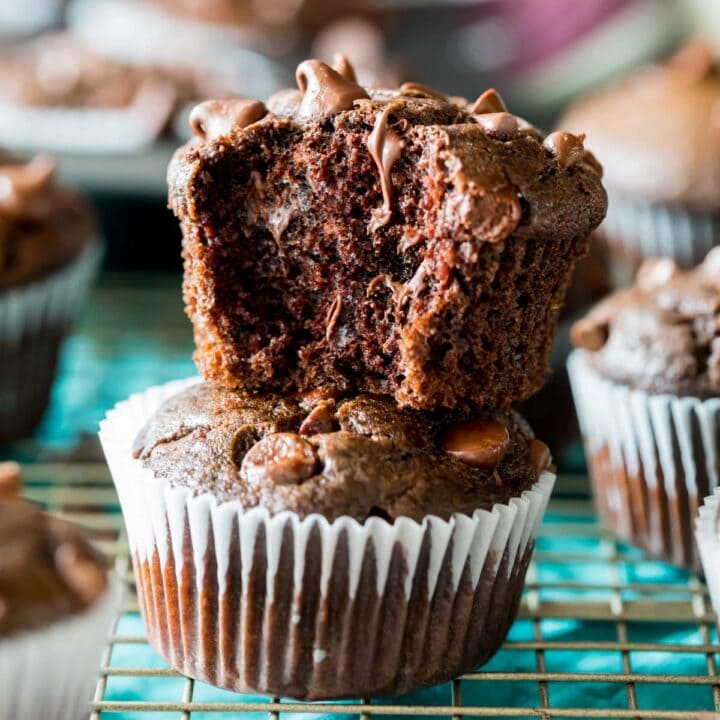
(566, 147)
(82, 574)
(489, 102)
(413, 89)
(499, 125)
(479, 443)
(10, 480)
(589, 334)
(540, 456)
(343, 66)
(324, 90)
(214, 118)
(282, 458)
(320, 420)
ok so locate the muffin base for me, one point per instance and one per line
(34, 320)
(311, 609)
(652, 459)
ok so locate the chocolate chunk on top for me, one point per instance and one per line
(662, 334)
(473, 223)
(358, 455)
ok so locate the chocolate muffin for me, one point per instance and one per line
(58, 94)
(646, 382)
(54, 593)
(395, 242)
(48, 256)
(661, 175)
(318, 546)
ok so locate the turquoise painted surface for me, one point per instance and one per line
(134, 335)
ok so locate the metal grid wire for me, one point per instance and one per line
(602, 632)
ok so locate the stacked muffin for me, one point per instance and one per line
(347, 505)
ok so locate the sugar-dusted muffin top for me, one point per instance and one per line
(662, 334)
(48, 568)
(42, 223)
(357, 456)
(394, 241)
(657, 130)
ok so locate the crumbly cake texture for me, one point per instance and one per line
(43, 225)
(662, 335)
(48, 567)
(391, 241)
(358, 456)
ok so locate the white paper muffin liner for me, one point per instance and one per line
(636, 231)
(708, 543)
(652, 459)
(308, 608)
(34, 318)
(51, 672)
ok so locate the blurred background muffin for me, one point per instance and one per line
(658, 135)
(646, 383)
(58, 600)
(48, 255)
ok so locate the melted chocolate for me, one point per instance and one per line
(566, 147)
(385, 148)
(343, 67)
(214, 118)
(325, 91)
(478, 443)
(413, 89)
(499, 125)
(489, 102)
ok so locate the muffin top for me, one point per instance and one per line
(662, 335)
(42, 224)
(357, 456)
(48, 568)
(658, 131)
(548, 187)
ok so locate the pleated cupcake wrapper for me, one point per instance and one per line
(708, 543)
(33, 321)
(51, 672)
(652, 458)
(641, 231)
(89, 130)
(309, 608)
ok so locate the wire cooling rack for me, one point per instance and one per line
(602, 632)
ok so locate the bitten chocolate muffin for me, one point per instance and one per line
(646, 381)
(392, 241)
(56, 602)
(323, 546)
(358, 456)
